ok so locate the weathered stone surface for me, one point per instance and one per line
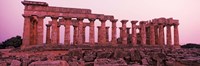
(89, 56)
(15, 63)
(119, 53)
(133, 56)
(109, 62)
(104, 53)
(73, 63)
(3, 63)
(76, 54)
(49, 63)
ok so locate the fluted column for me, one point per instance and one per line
(152, 34)
(147, 34)
(40, 30)
(143, 32)
(84, 34)
(91, 39)
(120, 28)
(58, 34)
(103, 31)
(48, 39)
(176, 34)
(33, 35)
(128, 31)
(80, 30)
(124, 32)
(169, 38)
(99, 34)
(134, 34)
(75, 35)
(156, 34)
(161, 33)
(107, 35)
(26, 32)
(67, 31)
(114, 39)
(54, 31)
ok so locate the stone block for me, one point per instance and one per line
(49, 63)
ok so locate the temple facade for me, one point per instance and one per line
(151, 32)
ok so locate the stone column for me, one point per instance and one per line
(33, 35)
(147, 34)
(67, 31)
(156, 35)
(156, 31)
(143, 32)
(128, 35)
(134, 34)
(120, 28)
(48, 39)
(75, 35)
(161, 33)
(169, 38)
(91, 39)
(107, 35)
(99, 34)
(40, 30)
(54, 31)
(114, 39)
(128, 31)
(103, 31)
(152, 34)
(58, 34)
(124, 32)
(80, 30)
(26, 32)
(84, 34)
(120, 36)
(176, 34)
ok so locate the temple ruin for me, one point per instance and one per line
(35, 12)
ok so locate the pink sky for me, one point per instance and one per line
(187, 11)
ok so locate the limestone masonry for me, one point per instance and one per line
(35, 12)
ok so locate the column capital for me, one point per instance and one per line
(54, 17)
(80, 19)
(39, 16)
(98, 26)
(124, 21)
(170, 19)
(103, 20)
(143, 22)
(151, 23)
(26, 16)
(175, 22)
(134, 22)
(107, 27)
(128, 28)
(91, 20)
(160, 23)
(67, 18)
(58, 25)
(162, 20)
(155, 21)
(74, 26)
(114, 20)
(120, 28)
(48, 25)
